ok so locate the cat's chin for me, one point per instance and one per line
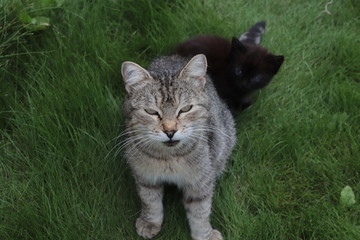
(171, 143)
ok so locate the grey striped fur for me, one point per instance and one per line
(157, 110)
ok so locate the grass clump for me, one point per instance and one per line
(61, 92)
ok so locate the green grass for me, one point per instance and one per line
(298, 145)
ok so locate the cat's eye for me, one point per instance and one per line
(185, 109)
(151, 111)
(257, 79)
(238, 72)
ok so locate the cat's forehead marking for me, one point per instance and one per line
(166, 88)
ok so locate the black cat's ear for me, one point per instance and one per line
(237, 46)
(276, 61)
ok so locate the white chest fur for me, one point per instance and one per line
(176, 171)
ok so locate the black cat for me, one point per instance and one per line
(238, 67)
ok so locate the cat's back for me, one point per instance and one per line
(167, 65)
(215, 48)
(210, 45)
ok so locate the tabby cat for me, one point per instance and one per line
(178, 132)
(238, 67)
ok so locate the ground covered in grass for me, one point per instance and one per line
(60, 98)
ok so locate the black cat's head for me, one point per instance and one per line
(251, 67)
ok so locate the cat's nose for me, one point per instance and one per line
(170, 133)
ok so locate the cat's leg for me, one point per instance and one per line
(197, 202)
(148, 225)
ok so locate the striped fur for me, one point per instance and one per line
(180, 132)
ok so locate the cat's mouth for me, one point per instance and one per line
(171, 143)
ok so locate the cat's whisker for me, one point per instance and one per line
(196, 137)
(196, 140)
(129, 150)
(128, 139)
(207, 128)
(114, 147)
(144, 142)
(131, 140)
(149, 145)
(122, 134)
(128, 132)
(214, 130)
(122, 144)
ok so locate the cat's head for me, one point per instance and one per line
(165, 110)
(251, 66)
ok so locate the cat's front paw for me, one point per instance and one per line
(216, 235)
(147, 229)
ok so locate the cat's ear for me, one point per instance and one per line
(134, 76)
(276, 62)
(195, 70)
(237, 46)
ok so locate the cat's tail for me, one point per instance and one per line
(254, 34)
